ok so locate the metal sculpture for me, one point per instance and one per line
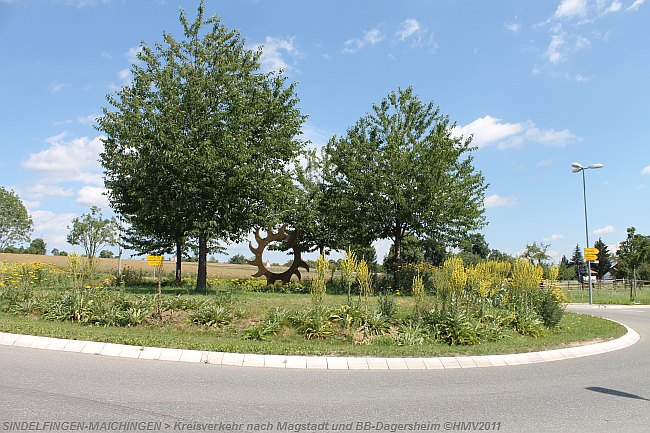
(282, 236)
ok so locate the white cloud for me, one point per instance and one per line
(513, 27)
(76, 159)
(555, 53)
(317, 137)
(616, 6)
(553, 237)
(604, 230)
(371, 37)
(93, 196)
(487, 130)
(91, 118)
(490, 130)
(274, 51)
(571, 9)
(636, 5)
(56, 87)
(496, 200)
(41, 190)
(646, 170)
(52, 227)
(409, 27)
(132, 54)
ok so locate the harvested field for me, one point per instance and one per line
(225, 270)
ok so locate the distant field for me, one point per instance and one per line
(189, 268)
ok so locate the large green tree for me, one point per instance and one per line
(93, 232)
(604, 264)
(536, 253)
(200, 144)
(578, 262)
(15, 223)
(633, 255)
(399, 170)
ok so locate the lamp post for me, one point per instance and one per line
(576, 167)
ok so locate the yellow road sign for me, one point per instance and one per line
(591, 257)
(591, 251)
(154, 260)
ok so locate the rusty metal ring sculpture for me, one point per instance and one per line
(282, 236)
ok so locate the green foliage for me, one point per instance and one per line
(605, 264)
(527, 322)
(411, 252)
(455, 327)
(548, 308)
(106, 254)
(15, 223)
(318, 286)
(93, 232)
(386, 305)
(314, 324)
(201, 126)
(411, 334)
(400, 170)
(238, 259)
(536, 253)
(214, 315)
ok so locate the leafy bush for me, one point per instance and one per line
(314, 323)
(549, 307)
(387, 306)
(262, 331)
(212, 315)
(411, 334)
(456, 328)
(527, 322)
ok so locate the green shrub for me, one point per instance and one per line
(456, 328)
(262, 331)
(411, 334)
(212, 315)
(548, 307)
(314, 323)
(387, 306)
(527, 322)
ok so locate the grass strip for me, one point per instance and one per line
(573, 329)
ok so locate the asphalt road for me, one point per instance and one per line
(602, 393)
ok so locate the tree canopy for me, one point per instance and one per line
(15, 223)
(399, 170)
(200, 144)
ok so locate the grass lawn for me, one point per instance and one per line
(176, 331)
(607, 294)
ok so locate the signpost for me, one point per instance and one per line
(157, 262)
(591, 254)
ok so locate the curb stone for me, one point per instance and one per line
(315, 362)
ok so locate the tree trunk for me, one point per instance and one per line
(202, 277)
(179, 259)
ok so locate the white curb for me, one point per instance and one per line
(315, 362)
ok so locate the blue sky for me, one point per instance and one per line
(540, 85)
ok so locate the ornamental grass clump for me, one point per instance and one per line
(318, 283)
(364, 278)
(348, 266)
(419, 294)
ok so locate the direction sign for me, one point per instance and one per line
(591, 251)
(154, 260)
(591, 257)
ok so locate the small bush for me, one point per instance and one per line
(456, 328)
(212, 315)
(411, 334)
(549, 307)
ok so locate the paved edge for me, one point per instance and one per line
(316, 362)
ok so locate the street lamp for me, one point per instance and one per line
(576, 167)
